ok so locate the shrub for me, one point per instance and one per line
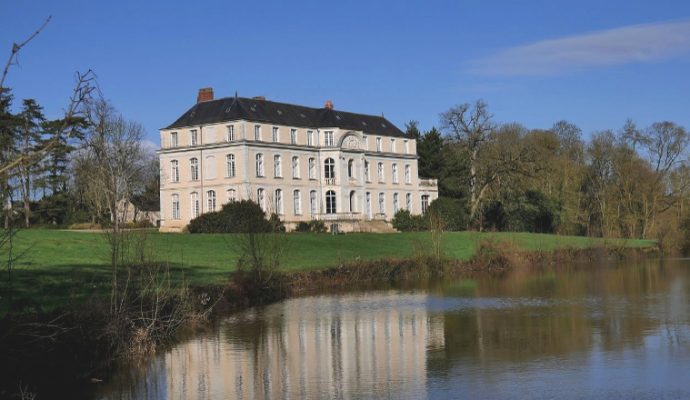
(404, 221)
(451, 212)
(303, 227)
(317, 226)
(213, 222)
(235, 217)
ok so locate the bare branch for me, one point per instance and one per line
(16, 47)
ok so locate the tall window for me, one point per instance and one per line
(194, 168)
(408, 202)
(395, 173)
(230, 135)
(380, 172)
(368, 201)
(277, 167)
(279, 201)
(407, 146)
(366, 142)
(193, 137)
(382, 203)
(408, 174)
(296, 202)
(293, 136)
(261, 198)
(396, 202)
(330, 202)
(328, 138)
(378, 144)
(211, 200)
(257, 132)
(175, 206)
(425, 203)
(230, 161)
(310, 138)
(313, 204)
(392, 145)
(276, 134)
(174, 171)
(173, 139)
(312, 168)
(259, 164)
(295, 167)
(350, 168)
(194, 203)
(329, 168)
(367, 176)
(353, 199)
(232, 195)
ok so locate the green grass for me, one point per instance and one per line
(59, 266)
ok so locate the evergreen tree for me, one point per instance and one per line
(28, 140)
(430, 152)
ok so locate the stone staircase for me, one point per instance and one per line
(376, 226)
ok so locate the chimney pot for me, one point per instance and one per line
(205, 94)
(328, 105)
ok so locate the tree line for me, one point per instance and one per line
(631, 182)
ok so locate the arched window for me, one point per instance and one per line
(350, 168)
(353, 199)
(277, 167)
(425, 203)
(194, 167)
(296, 202)
(408, 174)
(261, 198)
(380, 171)
(330, 202)
(396, 203)
(259, 164)
(367, 176)
(174, 171)
(329, 168)
(175, 199)
(395, 173)
(230, 161)
(194, 203)
(382, 203)
(295, 167)
(312, 168)
(210, 167)
(408, 202)
(232, 195)
(279, 201)
(313, 203)
(211, 200)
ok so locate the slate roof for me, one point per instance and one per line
(258, 110)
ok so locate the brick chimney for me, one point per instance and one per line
(205, 94)
(328, 105)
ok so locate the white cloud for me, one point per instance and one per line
(629, 44)
(149, 145)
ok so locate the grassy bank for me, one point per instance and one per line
(57, 267)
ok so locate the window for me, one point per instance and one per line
(211, 200)
(408, 202)
(296, 202)
(382, 203)
(194, 167)
(295, 167)
(277, 167)
(380, 172)
(392, 145)
(232, 195)
(396, 203)
(330, 202)
(408, 174)
(210, 167)
(230, 136)
(395, 173)
(350, 168)
(174, 171)
(276, 134)
(173, 139)
(366, 143)
(425, 203)
(368, 205)
(366, 171)
(407, 146)
(193, 137)
(279, 201)
(175, 206)
(310, 138)
(257, 132)
(261, 198)
(313, 205)
(259, 165)
(353, 199)
(329, 168)
(194, 204)
(378, 144)
(328, 137)
(293, 136)
(312, 168)
(230, 160)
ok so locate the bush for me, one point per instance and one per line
(235, 217)
(303, 227)
(452, 213)
(406, 222)
(314, 226)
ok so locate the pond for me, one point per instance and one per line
(570, 332)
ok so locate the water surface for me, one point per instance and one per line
(578, 332)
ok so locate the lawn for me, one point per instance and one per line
(57, 266)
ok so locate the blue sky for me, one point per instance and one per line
(594, 63)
